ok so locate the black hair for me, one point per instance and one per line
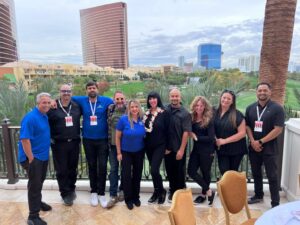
(264, 83)
(232, 108)
(154, 94)
(91, 83)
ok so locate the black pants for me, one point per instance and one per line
(175, 171)
(65, 158)
(155, 157)
(96, 152)
(229, 162)
(203, 161)
(131, 174)
(270, 162)
(36, 171)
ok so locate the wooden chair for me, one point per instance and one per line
(182, 211)
(232, 189)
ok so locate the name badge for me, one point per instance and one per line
(69, 121)
(93, 120)
(258, 126)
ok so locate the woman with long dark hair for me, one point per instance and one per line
(230, 129)
(156, 125)
(202, 154)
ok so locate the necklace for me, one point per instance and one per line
(145, 117)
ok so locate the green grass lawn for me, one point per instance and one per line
(244, 99)
(129, 88)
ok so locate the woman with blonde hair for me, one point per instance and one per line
(130, 132)
(202, 154)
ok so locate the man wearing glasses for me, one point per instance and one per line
(114, 112)
(65, 142)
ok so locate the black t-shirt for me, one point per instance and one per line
(224, 129)
(272, 116)
(158, 136)
(180, 122)
(57, 122)
(205, 136)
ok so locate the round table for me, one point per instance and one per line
(285, 214)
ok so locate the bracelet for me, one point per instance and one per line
(260, 141)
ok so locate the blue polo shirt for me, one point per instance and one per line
(132, 139)
(100, 131)
(35, 127)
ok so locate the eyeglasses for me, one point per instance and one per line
(119, 99)
(66, 91)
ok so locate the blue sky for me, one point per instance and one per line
(159, 31)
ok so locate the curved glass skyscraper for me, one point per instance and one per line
(209, 56)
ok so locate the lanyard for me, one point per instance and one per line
(257, 111)
(93, 109)
(68, 113)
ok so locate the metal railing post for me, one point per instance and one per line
(11, 170)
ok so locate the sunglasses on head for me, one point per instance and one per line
(65, 91)
(229, 91)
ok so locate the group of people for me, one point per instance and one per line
(119, 131)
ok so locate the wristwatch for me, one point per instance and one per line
(260, 141)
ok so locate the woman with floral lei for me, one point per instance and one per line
(156, 125)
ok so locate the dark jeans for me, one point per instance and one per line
(175, 171)
(155, 157)
(131, 174)
(65, 158)
(229, 162)
(96, 152)
(270, 162)
(114, 171)
(36, 171)
(203, 161)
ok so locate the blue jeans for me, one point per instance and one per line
(114, 171)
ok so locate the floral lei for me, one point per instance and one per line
(146, 115)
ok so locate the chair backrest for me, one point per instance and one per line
(182, 211)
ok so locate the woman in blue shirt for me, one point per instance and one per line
(130, 132)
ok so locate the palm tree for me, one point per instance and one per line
(276, 45)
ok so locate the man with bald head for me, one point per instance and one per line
(179, 128)
(65, 142)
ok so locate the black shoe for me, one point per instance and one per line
(200, 199)
(129, 205)
(68, 200)
(73, 195)
(153, 198)
(162, 197)
(255, 199)
(45, 207)
(36, 221)
(211, 198)
(137, 203)
(274, 204)
(170, 196)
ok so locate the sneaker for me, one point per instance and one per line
(255, 199)
(94, 199)
(170, 196)
(211, 198)
(36, 221)
(200, 199)
(45, 207)
(68, 200)
(153, 198)
(113, 200)
(137, 203)
(103, 201)
(129, 205)
(162, 197)
(121, 196)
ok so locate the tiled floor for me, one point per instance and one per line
(14, 209)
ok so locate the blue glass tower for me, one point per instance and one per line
(209, 56)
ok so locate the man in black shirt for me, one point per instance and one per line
(265, 121)
(179, 127)
(65, 142)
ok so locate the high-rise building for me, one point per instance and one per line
(209, 56)
(104, 35)
(181, 61)
(249, 63)
(8, 32)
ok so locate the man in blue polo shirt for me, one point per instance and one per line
(33, 155)
(95, 139)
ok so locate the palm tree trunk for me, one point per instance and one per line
(276, 45)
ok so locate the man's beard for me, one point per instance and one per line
(92, 94)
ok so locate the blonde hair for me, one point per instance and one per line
(140, 115)
(207, 113)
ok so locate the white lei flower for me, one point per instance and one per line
(146, 115)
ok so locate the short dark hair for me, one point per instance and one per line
(91, 83)
(264, 83)
(154, 94)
